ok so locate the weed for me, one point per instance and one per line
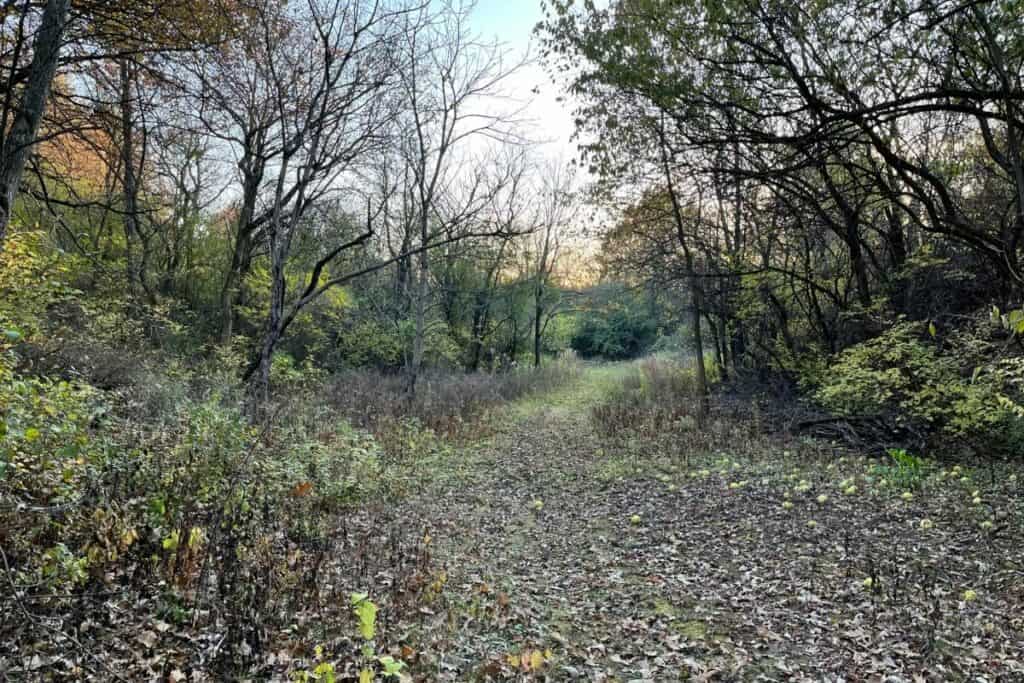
(905, 471)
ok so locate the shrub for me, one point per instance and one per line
(368, 342)
(30, 284)
(960, 390)
(615, 332)
(904, 471)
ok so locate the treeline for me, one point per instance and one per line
(838, 187)
(293, 183)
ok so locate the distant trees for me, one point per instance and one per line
(615, 323)
(558, 208)
(449, 83)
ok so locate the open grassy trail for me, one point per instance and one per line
(568, 556)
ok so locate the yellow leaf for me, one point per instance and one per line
(536, 660)
(128, 536)
(365, 676)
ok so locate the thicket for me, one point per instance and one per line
(617, 323)
(833, 189)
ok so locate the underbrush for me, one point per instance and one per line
(656, 408)
(655, 395)
(447, 403)
(151, 505)
(917, 387)
(194, 523)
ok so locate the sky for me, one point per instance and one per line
(511, 22)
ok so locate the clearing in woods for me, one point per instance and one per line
(571, 556)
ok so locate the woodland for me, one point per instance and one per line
(320, 361)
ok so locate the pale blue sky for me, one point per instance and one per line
(511, 21)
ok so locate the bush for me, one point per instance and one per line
(905, 471)
(367, 342)
(30, 285)
(618, 331)
(960, 389)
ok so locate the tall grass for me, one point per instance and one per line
(655, 409)
(444, 402)
(658, 394)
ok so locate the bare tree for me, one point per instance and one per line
(557, 210)
(452, 85)
(324, 73)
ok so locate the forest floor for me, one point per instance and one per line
(565, 559)
(546, 547)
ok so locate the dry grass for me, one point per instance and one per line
(445, 402)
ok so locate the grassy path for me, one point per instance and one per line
(739, 566)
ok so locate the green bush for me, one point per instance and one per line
(366, 342)
(44, 438)
(615, 332)
(953, 390)
(905, 471)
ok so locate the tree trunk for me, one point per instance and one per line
(481, 318)
(695, 284)
(698, 345)
(422, 292)
(723, 338)
(278, 248)
(538, 312)
(513, 343)
(717, 341)
(860, 266)
(241, 257)
(133, 243)
(18, 142)
(231, 292)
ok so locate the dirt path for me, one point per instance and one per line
(610, 568)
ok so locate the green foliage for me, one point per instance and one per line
(46, 453)
(904, 374)
(30, 283)
(370, 342)
(619, 327)
(61, 568)
(366, 613)
(905, 471)
(286, 372)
